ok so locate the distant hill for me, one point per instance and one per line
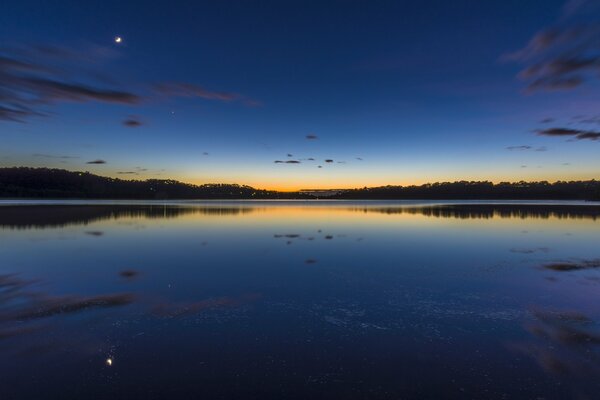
(24, 182)
(466, 190)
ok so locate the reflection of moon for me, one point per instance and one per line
(118, 39)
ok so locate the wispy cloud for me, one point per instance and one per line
(526, 147)
(311, 137)
(564, 56)
(179, 89)
(32, 80)
(190, 90)
(96, 162)
(287, 162)
(60, 157)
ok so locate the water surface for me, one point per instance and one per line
(297, 300)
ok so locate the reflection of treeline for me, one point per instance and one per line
(40, 216)
(464, 190)
(56, 183)
(59, 215)
(485, 211)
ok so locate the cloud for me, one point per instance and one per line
(127, 173)
(96, 162)
(572, 266)
(595, 119)
(359, 159)
(51, 90)
(35, 78)
(190, 90)
(132, 122)
(328, 161)
(526, 147)
(312, 137)
(253, 103)
(564, 56)
(179, 89)
(552, 83)
(547, 120)
(287, 162)
(40, 155)
(575, 133)
(518, 148)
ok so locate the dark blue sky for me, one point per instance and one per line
(395, 92)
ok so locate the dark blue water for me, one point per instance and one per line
(296, 300)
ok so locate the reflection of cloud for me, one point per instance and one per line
(95, 233)
(18, 304)
(171, 310)
(562, 345)
(530, 250)
(573, 266)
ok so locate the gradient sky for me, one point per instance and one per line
(394, 92)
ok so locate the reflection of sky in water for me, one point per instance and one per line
(269, 300)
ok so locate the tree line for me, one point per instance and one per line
(25, 182)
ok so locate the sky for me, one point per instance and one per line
(307, 94)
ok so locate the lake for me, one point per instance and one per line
(299, 300)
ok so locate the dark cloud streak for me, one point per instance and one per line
(568, 132)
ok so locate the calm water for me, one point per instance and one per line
(297, 300)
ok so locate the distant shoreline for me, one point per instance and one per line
(59, 184)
